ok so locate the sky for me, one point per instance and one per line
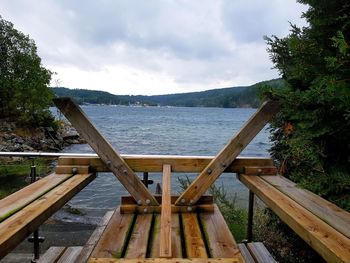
(149, 47)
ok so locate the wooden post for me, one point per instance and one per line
(228, 154)
(165, 219)
(250, 217)
(105, 151)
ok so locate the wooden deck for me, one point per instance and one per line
(200, 236)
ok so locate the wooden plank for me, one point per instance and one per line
(137, 209)
(165, 218)
(175, 237)
(179, 164)
(228, 154)
(328, 212)
(16, 201)
(104, 149)
(194, 242)
(256, 170)
(51, 255)
(68, 169)
(260, 253)
(94, 238)
(70, 255)
(219, 239)
(203, 200)
(167, 260)
(330, 244)
(114, 238)
(137, 247)
(16, 228)
(246, 254)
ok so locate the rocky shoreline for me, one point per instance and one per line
(15, 138)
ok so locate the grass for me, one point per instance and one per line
(14, 175)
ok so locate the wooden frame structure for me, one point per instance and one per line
(136, 188)
(166, 228)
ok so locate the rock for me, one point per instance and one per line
(36, 139)
(27, 148)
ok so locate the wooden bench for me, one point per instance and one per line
(24, 211)
(321, 224)
(256, 252)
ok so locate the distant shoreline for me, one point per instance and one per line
(233, 97)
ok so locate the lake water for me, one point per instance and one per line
(160, 130)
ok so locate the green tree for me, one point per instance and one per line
(311, 134)
(24, 92)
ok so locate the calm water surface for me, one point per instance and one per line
(160, 130)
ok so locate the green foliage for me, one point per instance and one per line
(284, 244)
(24, 92)
(311, 134)
(13, 174)
(223, 98)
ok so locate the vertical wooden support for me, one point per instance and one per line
(250, 217)
(165, 219)
(228, 154)
(105, 151)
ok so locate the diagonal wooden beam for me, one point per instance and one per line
(165, 218)
(105, 151)
(228, 154)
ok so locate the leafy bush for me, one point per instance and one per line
(311, 133)
(24, 92)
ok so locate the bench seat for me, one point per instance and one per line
(256, 252)
(321, 224)
(24, 211)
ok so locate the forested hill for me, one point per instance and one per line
(224, 98)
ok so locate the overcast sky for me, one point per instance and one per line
(153, 46)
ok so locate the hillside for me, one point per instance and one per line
(234, 97)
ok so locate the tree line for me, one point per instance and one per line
(311, 135)
(224, 98)
(24, 92)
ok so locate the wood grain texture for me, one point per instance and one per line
(138, 209)
(137, 247)
(175, 237)
(94, 238)
(16, 201)
(218, 236)
(329, 243)
(70, 254)
(179, 164)
(68, 169)
(204, 200)
(113, 240)
(105, 151)
(167, 260)
(51, 255)
(16, 228)
(246, 254)
(260, 253)
(260, 170)
(328, 212)
(165, 218)
(194, 241)
(228, 154)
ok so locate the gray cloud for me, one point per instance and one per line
(193, 43)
